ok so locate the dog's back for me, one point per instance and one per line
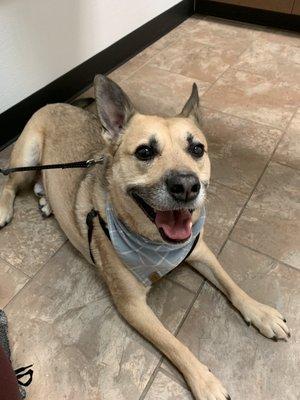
(57, 133)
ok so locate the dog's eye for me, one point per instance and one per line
(144, 152)
(196, 150)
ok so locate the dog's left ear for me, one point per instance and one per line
(113, 106)
(191, 108)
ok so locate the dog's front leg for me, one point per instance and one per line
(269, 321)
(130, 299)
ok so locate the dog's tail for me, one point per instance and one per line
(82, 102)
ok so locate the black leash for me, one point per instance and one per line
(76, 164)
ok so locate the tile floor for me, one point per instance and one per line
(60, 313)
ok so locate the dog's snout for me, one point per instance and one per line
(183, 186)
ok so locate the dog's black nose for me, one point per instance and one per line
(183, 186)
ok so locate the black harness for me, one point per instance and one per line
(90, 223)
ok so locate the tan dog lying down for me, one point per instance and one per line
(150, 190)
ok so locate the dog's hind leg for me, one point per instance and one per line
(26, 152)
(44, 205)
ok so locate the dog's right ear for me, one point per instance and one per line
(113, 106)
(191, 107)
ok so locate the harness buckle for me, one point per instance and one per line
(93, 161)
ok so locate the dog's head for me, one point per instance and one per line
(160, 168)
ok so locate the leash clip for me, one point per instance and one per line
(93, 161)
(4, 171)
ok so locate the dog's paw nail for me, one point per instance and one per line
(248, 323)
(275, 338)
(228, 397)
(284, 320)
(289, 335)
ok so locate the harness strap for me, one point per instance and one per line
(193, 246)
(75, 164)
(90, 223)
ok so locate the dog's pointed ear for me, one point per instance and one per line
(191, 108)
(113, 106)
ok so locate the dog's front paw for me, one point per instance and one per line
(205, 386)
(267, 320)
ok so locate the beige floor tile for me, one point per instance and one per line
(187, 277)
(11, 282)
(250, 366)
(155, 91)
(190, 25)
(65, 323)
(254, 97)
(280, 36)
(223, 34)
(168, 39)
(288, 151)
(239, 149)
(127, 69)
(272, 60)
(223, 207)
(270, 222)
(189, 58)
(164, 388)
(29, 240)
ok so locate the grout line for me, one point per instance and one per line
(227, 69)
(154, 55)
(196, 294)
(36, 274)
(216, 181)
(154, 373)
(173, 280)
(43, 264)
(264, 254)
(151, 379)
(256, 184)
(174, 378)
(285, 165)
(208, 107)
(14, 268)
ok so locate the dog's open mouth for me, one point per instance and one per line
(175, 226)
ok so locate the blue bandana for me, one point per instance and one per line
(146, 259)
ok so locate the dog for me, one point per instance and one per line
(144, 205)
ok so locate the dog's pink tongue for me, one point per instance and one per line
(177, 225)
